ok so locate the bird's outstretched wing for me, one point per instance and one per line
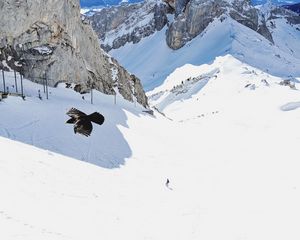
(71, 120)
(75, 113)
(96, 118)
(84, 127)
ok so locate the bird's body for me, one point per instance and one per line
(83, 122)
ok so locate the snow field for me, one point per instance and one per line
(234, 174)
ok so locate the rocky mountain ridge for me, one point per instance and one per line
(152, 60)
(183, 19)
(49, 39)
(117, 25)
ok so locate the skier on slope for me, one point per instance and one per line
(167, 184)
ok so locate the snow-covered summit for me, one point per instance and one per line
(194, 92)
(152, 61)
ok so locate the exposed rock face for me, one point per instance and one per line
(199, 13)
(116, 26)
(49, 39)
(193, 21)
(180, 6)
(171, 3)
(122, 76)
(119, 25)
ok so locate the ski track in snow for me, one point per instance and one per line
(29, 227)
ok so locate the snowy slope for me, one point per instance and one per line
(227, 85)
(286, 37)
(42, 123)
(152, 61)
(234, 173)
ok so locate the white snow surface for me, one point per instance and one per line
(233, 171)
(44, 124)
(152, 60)
(193, 92)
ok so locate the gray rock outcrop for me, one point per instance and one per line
(50, 39)
(180, 6)
(119, 25)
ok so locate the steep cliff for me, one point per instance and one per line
(118, 25)
(50, 39)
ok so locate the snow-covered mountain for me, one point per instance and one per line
(152, 60)
(194, 92)
(184, 20)
(258, 42)
(215, 158)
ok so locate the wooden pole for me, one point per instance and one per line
(3, 78)
(22, 90)
(44, 82)
(16, 84)
(46, 87)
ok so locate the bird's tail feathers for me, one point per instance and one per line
(96, 118)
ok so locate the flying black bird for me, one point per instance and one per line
(82, 122)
